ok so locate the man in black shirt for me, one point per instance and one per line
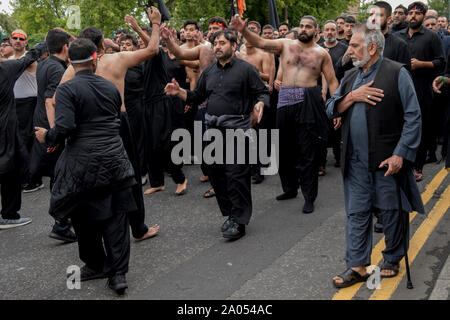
(12, 151)
(395, 48)
(399, 19)
(94, 177)
(232, 86)
(350, 22)
(340, 21)
(427, 58)
(48, 75)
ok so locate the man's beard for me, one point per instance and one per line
(383, 26)
(330, 40)
(415, 25)
(307, 39)
(363, 62)
(225, 55)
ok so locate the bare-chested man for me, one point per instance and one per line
(114, 67)
(205, 55)
(301, 118)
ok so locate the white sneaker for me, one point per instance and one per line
(13, 223)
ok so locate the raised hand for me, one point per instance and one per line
(154, 15)
(131, 21)
(164, 32)
(238, 24)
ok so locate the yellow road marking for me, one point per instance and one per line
(389, 285)
(349, 293)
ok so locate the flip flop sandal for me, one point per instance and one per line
(209, 194)
(350, 277)
(390, 266)
(322, 172)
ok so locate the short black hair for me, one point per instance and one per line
(294, 32)
(56, 40)
(129, 37)
(193, 22)
(229, 35)
(268, 26)
(94, 34)
(350, 19)
(420, 5)
(147, 29)
(258, 25)
(80, 49)
(285, 24)
(386, 6)
(340, 17)
(311, 18)
(218, 20)
(405, 10)
(124, 31)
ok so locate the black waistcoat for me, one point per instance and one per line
(384, 120)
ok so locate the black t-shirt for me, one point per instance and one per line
(175, 70)
(155, 78)
(337, 52)
(48, 76)
(134, 86)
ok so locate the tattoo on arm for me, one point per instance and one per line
(270, 48)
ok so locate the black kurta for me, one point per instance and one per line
(94, 162)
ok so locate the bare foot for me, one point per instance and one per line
(151, 232)
(181, 188)
(361, 270)
(204, 178)
(153, 190)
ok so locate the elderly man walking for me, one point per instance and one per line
(381, 127)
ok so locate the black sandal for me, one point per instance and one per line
(209, 194)
(350, 277)
(390, 266)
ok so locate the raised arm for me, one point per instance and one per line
(273, 46)
(179, 53)
(131, 59)
(131, 21)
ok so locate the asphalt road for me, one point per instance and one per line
(285, 254)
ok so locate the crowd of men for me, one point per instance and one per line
(96, 116)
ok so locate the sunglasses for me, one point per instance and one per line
(18, 38)
(4, 45)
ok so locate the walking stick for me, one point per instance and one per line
(404, 221)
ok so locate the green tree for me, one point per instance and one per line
(7, 24)
(441, 6)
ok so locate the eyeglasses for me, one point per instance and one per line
(4, 45)
(17, 38)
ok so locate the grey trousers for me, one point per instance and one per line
(359, 237)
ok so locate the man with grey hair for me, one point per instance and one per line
(381, 127)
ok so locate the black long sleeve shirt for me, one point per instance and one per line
(424, 45)
(396, 49)
(232, 89)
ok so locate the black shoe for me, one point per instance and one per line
(257, 178)
(118, 283)
(63, 234)
(90, 274)
(378, 227)
(227, 224)
(287, 195)
(32, 187)
(308, 207)
(235, 231)
(337, 164)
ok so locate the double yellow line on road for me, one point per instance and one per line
(389, 285)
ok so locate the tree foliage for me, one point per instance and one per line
(7, 24)
(38, 16)
(441, 6)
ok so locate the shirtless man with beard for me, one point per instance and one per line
(114, 67)
(301, 118)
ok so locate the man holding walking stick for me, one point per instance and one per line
(381, 128)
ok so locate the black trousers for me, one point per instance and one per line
(25, 111)
(42, 164)
(298, 152)
(11, 193)
(334, 141)
(160, 126)
(136, 217)
(427, 128)
(232, 185)
(136, 118)
(112, 255)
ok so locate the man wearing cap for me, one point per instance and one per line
(25, 94)
(94, 177)
(427, 58)
(12, 150)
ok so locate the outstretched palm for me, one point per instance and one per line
(238, 24)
